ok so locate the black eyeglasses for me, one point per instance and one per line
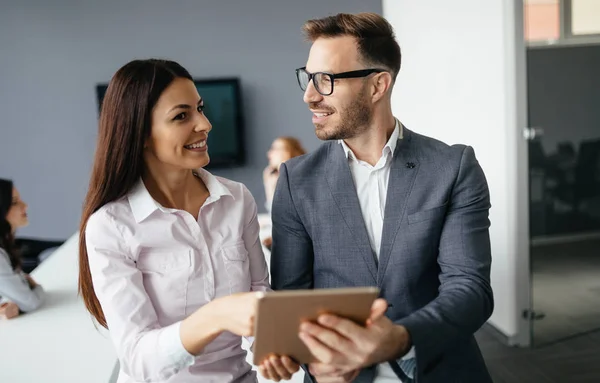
(323, 81)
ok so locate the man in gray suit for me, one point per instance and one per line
(380, 205)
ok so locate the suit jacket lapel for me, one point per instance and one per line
(343, 190)
(402, 177)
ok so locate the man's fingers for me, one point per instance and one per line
(379, 308)
(279, 368)
(320, 369)
(330, 337)
(348, 329)
(270, 371)
(291, 366)
(345, 378)
(262, 369)
(323, 353)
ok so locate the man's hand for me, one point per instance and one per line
(278, 368)
(347, 346)
(325, 373)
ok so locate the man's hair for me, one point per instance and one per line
(374, 35)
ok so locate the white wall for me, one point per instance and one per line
(458, 83)
(53, 53)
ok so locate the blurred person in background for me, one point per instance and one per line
(18, 291)
(282, 149)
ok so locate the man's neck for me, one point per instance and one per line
(368, 146)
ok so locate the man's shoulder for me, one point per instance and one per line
(433, 147)
(434, 151)
(311, 163)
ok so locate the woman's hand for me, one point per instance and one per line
(236, 312)
(278, 368)
(270, 172)
(268, 242)
(8, 310)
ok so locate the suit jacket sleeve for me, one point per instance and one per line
(465, 299)
(292, 251)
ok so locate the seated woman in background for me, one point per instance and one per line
(170, 260)
(282, 149)
(18, 291)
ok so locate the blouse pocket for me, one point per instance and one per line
(237, 267)
(166, 276)
(162, 263)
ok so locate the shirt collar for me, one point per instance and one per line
(389, 147)
(142, 204)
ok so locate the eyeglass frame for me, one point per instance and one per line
(332, 76)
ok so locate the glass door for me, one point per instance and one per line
(563, 86)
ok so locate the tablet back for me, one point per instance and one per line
(280, 313)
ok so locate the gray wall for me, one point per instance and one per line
(51, 57)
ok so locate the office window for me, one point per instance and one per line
(542, 20)
(585, 17)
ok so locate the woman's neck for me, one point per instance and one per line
(174, 189)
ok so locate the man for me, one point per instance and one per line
(380, 205)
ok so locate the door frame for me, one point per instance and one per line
(516, 103)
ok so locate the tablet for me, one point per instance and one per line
(280, 313)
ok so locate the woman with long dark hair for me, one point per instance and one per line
(170, 260)
(18, 291)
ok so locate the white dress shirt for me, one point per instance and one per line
(371, 184)
(152, 267)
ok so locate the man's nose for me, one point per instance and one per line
(311, 95)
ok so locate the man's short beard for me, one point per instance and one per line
(355, 119)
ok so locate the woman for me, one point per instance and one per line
(18, 291)
(282, 149)
(170, 260)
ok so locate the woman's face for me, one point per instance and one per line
(278, 153)
(179, 129)
(17, 214)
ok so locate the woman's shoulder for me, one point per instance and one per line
(115, 213)
(224, 186)
(238, 190)
(231, 185)
(114, 209)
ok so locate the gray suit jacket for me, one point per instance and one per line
(434, 265)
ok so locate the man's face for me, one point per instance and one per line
(347, 112)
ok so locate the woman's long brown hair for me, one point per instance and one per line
(125, 123)
(7, 238)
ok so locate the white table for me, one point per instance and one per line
(58, 342)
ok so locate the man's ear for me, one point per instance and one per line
(382, 82)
